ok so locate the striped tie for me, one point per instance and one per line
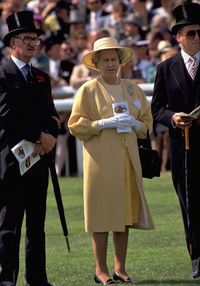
(27, 71)
(193, 66)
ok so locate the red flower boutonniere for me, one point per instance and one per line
(40, 78)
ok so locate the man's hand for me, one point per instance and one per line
(182, 120)
(38, 150)
(45, 145)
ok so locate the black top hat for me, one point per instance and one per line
(20, 22)
(54, 38)
(186, 14)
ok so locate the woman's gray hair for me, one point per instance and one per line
(96, 57)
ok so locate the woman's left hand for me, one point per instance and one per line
(129, 121)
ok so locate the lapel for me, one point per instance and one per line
(20, 84)
(15, 75)
(197, 87)
(182, 79)
(179, 72)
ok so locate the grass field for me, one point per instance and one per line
(156, 257)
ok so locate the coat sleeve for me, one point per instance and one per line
(145, 116)
(140, 108)
(160, 101)
(53, 121)
(80, 123)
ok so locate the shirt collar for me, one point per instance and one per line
(20, 64)
(186, 57)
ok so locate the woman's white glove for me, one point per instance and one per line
(121, 121)
(129, 121)
(110, 122)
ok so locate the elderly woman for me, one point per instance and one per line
(109, 114)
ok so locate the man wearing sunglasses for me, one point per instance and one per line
(27, 112)
(176, 93)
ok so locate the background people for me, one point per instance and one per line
(113, 201)
(71, 19)
(161, 133)
(27, 112)
(176, 91)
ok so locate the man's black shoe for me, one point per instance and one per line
(195, 274)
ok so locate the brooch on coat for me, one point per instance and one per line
(130, 90)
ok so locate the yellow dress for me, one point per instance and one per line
(132, 197)
(112, 178)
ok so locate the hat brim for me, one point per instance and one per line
(178, 26)
(127, 54)
(15, 32)
(165, 50)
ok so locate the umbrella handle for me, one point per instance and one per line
(187, 143)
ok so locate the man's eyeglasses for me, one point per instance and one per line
(191, 34)
(28, 40)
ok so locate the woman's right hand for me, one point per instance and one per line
(110, 122)
(121, 121)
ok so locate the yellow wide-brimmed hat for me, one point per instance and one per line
(106, 43)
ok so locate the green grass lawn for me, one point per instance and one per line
(156, 257)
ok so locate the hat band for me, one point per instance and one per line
(17, 20)
(105, 44)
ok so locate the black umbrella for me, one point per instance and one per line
(187, 148)
(59, 202)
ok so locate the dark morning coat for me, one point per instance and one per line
(174, 91)
(25, 110)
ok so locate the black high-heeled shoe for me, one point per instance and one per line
(116, 277)
(108, 282)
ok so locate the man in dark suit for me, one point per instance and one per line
(58, 69)
(27, 112)
(94, 14)
(176, 92)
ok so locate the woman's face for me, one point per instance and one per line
(108, 63)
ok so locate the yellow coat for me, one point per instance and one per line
(104, 153)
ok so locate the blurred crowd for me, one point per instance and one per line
(71, 27)
(69, 30)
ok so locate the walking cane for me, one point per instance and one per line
(187, 147)
(187, 143)
(59, 202)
